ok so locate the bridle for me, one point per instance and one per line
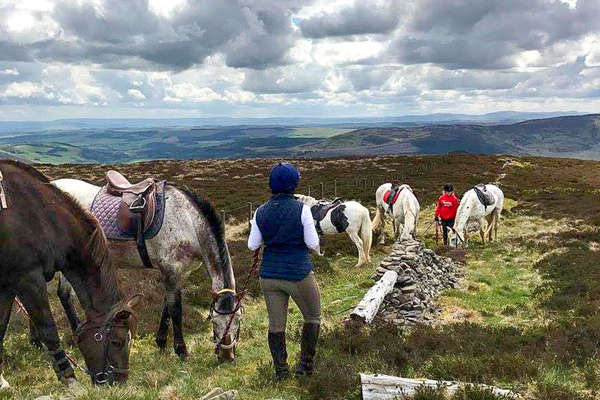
(219, 345)
(101, 335)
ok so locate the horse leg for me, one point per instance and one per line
(490, 227)
(34, 337)
(176, 312)
(163, 328)
(482, 229)
(65, 292)
(35, 299)
(6, 301)
(173, 303)
(359, 245)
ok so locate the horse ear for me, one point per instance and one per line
(125, 308)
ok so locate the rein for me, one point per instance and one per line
(240, 296)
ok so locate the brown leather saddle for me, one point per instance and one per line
(138, 206)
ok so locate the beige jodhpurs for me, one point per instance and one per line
(305, 294)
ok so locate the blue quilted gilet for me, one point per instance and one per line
(280, 223)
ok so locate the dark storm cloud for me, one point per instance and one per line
(363, 17)
(127, 34)
(477, 34)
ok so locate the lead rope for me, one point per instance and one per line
(255, 263)
(71, 359)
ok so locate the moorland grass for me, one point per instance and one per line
(525, 316)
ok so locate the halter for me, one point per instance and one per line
(102, 335)
(239, 296)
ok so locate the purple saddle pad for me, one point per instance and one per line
(105, 208)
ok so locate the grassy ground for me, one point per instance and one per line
(525, 316)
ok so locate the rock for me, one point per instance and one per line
(421, 276)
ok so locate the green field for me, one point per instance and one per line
(525, 316)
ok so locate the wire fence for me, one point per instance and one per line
(358, 188)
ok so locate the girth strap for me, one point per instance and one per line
(3, 203)
(137, 208)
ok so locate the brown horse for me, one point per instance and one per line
(43, 231)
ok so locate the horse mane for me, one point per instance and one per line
(97, 245)
(216, 224)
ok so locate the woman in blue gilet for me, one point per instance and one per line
(286, 229)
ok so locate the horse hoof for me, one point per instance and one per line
(161, 343)
(181, 351)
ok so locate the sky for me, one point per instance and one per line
(321, 58)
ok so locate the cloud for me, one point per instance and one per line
(314, 57)
(138, 35)
(290, 80)
(363, 17)
(476, 34)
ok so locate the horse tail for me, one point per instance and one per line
(379, 218)
(366, 233)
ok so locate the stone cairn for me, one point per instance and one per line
(421, 276)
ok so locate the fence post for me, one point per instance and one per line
(251, 210)
(309, 190)
(224, 218)
(322, 191)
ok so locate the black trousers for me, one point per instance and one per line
(446, 225)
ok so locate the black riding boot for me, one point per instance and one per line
(308, 346)
(279, 354)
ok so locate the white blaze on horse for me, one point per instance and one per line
(191, 234)
(401, 203)
(347, 216)
(480, 204)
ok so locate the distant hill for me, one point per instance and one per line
(19, 127)
(566, 136)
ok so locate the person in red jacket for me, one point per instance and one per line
(445, 211)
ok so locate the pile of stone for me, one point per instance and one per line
(421, 276)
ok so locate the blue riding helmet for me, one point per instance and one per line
(284, 178)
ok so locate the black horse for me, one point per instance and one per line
(42, 231)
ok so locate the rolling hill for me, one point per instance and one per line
(566, 136)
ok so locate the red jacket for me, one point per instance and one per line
(447, 206)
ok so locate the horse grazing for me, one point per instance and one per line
(347, 216)
(192, 233)
(474, 207)
(404, 211)
(43, 231)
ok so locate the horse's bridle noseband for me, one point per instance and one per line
(213, 309)
(101, 336)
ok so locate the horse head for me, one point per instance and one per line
(105, 342)
(226, 319)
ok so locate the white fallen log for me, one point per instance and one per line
(369, 305)
(386, 387)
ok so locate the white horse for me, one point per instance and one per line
(472, 210)
(192, 233)
(351, 217)
(405, 212)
